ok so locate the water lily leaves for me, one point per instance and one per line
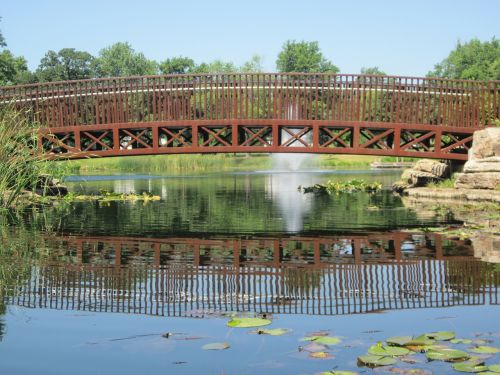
(407, 371)
(446, 354)
(391, 351)
(272, 332)
(461, 341)
(441, 335)
(216, 346)
(314, 347)
(320, 355)
(376, 360)
(238, 322)
(399, 340)
(338, 372)
(484, 350)
(421, 340)
(470, 367)
(326, 340)
(494, 368)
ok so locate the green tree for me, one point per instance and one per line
(374, 70)
(14, 70)
(472, 60)
(177, 65)
(303, 57)
(254, 65)
(67, 64)
(216, 66)
(121, 60)
(3, 43)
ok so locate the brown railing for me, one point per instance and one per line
(288, 96)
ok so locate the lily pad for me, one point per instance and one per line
(338, 372)
(407, 371)
(237, 322)
(441, 335)
(272, 332)
(320, 355)
(470, 367)
(420, 341)
(461, 341)
(313, 347)
(494, 368)
(447, 354)
(399, 340)
(326, 340)
(216, 346)
(390, 351)
(376, 360)
(484, 350)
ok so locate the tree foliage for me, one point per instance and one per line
(374, 70)
(303, 57)
(177, 65)
(121, 60)
(67, 64)
(14, 70)
(3, 43)
(471, 60)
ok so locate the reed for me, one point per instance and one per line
(20, 164)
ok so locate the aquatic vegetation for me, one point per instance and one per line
(271, 332)
(325, 340)
(106, 196)
(237, 322)
(216, 346)
(337, 187)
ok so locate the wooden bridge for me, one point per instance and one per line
(197, 277)
(266, 113)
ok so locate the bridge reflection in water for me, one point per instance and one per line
(293, 275)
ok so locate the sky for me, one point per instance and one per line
(400, 37)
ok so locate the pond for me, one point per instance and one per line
(143, 287)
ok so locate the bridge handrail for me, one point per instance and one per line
(272, 96)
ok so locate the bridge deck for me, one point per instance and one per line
(292, 112)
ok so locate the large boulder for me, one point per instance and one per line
(485, 144)
(433, 167)
(424, 172)
(482, 170)
(487, 180)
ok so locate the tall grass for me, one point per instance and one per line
(20, 163)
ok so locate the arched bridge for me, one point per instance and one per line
(291, 112)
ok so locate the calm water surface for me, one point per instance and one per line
(91, 288)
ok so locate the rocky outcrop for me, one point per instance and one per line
(482, 170)
(422, 173)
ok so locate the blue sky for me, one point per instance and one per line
(401, 37)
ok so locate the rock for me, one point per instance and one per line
(485, 144)
(491, 164)
(415, 178)
(486, 180)
(49, 186)
(433, 167)
(487, 247)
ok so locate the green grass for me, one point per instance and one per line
(445, 184)
(198, 163)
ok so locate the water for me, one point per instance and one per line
(91, 288)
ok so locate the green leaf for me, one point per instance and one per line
(484, 350)
(461, 341)
(399, 340)
(272, 332)
(421, 340)
(320, 355)
(494, 368)
(387, 350)
(248, 322)
(469, 367)
(441, 335)
(326, 340)
(447, 354)
(376, 360)
(216, 346)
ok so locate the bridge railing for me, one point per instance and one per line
(259, 96)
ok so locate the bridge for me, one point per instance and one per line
(197, 277)
(265, 113)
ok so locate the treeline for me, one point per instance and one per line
(472, 60)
